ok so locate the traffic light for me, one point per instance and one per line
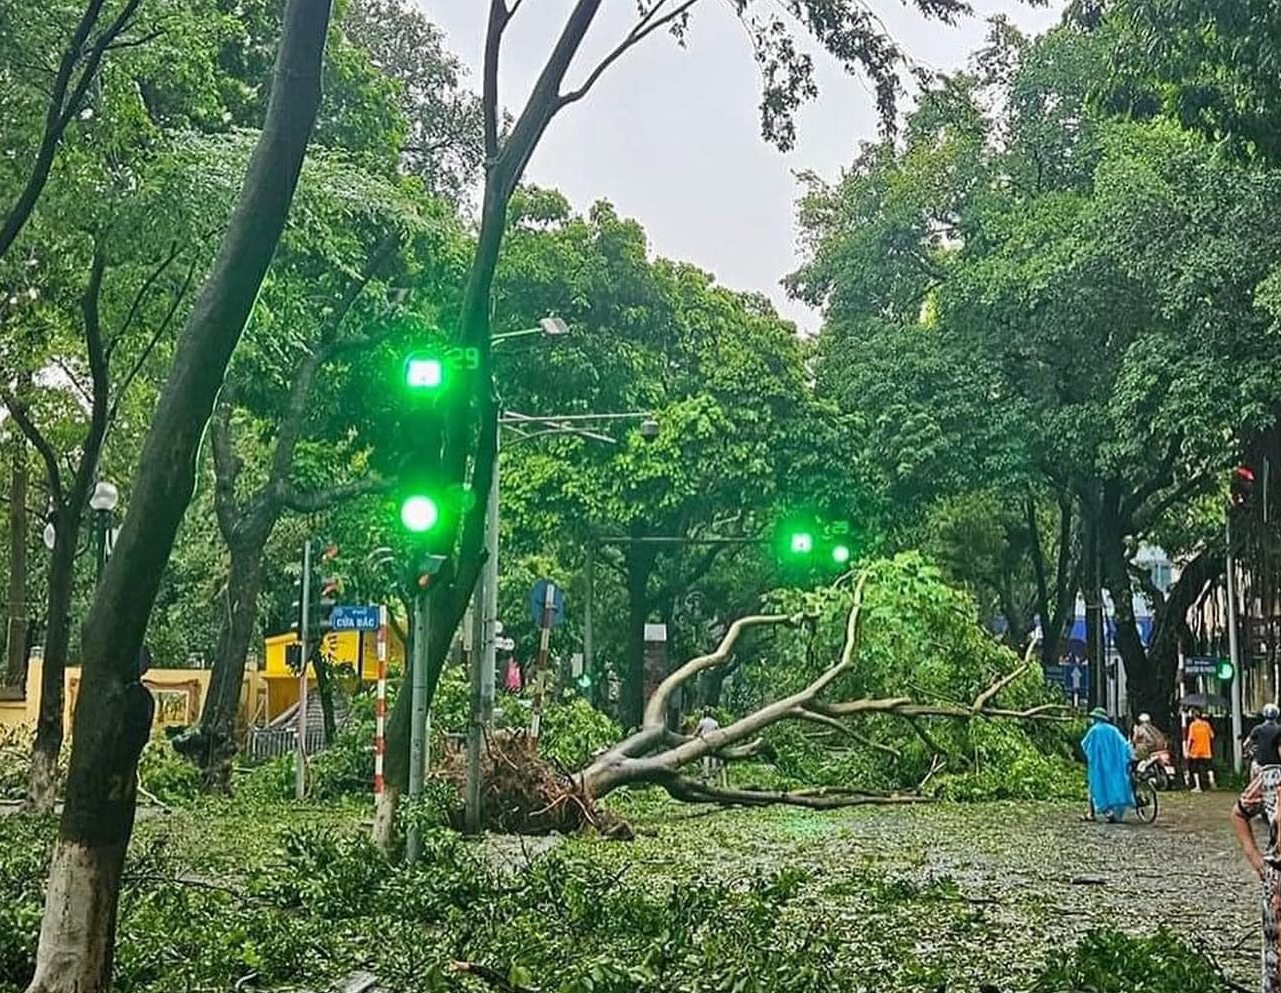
(419, 513)
(811, 544)
(800, 543)
(424, 372)
(1224, 670)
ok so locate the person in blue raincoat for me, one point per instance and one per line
(1107, 756)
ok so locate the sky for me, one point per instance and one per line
(671, 136)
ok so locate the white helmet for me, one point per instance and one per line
(1145, 718)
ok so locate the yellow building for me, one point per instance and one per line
(267, 692)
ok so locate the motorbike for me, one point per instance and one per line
(1158, 769)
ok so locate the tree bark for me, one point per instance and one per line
(640, 560)
(16, 629)
(42, 779)
(113, 715)
(325, 690)
(213, 745)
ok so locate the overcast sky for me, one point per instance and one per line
(672, 136)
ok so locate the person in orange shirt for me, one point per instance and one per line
(1199, 750)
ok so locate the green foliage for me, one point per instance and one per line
(166, 775)
(24, 860)
(573, 731)
(920, 638)
(1108, 961)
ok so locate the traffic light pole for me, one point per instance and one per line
(304, 623)
(484, 658)
(418, 715)
(1234, 651)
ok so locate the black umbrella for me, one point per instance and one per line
(1204, 701)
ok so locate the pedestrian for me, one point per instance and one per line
(513, 682)
(1260, 800)
(1107, 760)
(1261, 744)
(1199, 750)
(713, 767)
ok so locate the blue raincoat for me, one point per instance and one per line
(1107, 755)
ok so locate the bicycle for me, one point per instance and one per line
(1146, 805)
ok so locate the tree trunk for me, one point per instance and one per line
(213, 745)
(16, 630)
(113, 715)
(325, 689)
(42, 781)
(640, 566)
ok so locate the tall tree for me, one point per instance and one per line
(113, 717)
(844, 27)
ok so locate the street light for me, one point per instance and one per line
(548, 327)
(103, 503)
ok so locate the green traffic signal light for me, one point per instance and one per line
(424, 372)
(801, 543)
(841, 554)
(419, 514)
(1224, 671)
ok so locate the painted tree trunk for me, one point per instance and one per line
(113, 713)
(42, 782)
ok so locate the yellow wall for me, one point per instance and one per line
(180, 693)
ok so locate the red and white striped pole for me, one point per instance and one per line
(380, 704)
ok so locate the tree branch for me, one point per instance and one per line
(62, 108)
(141, 295)
(643, 28)
(818, 717)
(317, 500)
(22, 417)
(147, 349)
(692, 791)
(226, 465)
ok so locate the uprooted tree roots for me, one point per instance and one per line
(522, 793)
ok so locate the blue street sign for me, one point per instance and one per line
(353, 618)
(538, 600)
(1200, 665)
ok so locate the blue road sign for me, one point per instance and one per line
(538, 600)
(1200, 665)
(353, 618)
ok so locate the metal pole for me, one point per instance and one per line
(1183, 712)
(483, 660)
(100, 527)
(589, 635)
(1234, 653)
(540, 666)
(380, 704)
(418, 716)
(475, 729)
(304, 622)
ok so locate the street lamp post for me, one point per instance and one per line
(103, 502)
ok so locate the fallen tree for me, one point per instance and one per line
(966, 695)
(657, 755)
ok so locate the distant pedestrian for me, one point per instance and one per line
(1199, 751)
(1261, 744)
(1107, 757)
(513, 682)
(713, 767)
(1260, 800)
